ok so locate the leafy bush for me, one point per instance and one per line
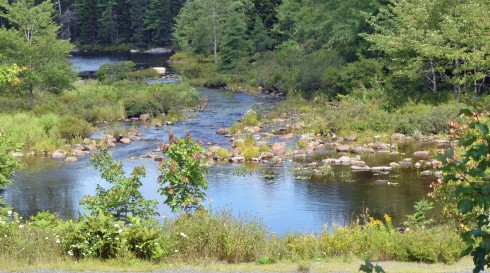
(71, 127)
(216, 82)
(124, 199)
(115, 71)
(183, 179)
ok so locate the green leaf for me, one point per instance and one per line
(467, 251)
(465, 112)
(482, 127)
(465, 206)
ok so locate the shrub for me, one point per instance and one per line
(115, 71)
(124, 199)
(183, 179)
(71, 127)
(216, 82)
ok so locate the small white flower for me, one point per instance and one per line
(119, 231)
(183, 235)
(117, 239)
(46, 238)
(9, 212)
(2, 222)
(156, 243)
(21, 226)
(176, 250)
(58, 241)
(116, 225)
(70, 252)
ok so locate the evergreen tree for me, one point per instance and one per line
(138, 12)
(259, 37)
(87, 16)
(159, 22)
(235, 45)
(108, 22)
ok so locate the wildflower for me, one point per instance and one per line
(116, 225)
(46, 238)
(176, 250)
(156, 243)
(117, 238)
(119, 231)
(58, 241)
(9, 212)
(70, 252)
(21, 226)
(183, 235)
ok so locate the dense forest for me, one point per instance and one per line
(417, 50)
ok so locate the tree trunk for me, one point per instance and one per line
(31, 97)
(457, 86)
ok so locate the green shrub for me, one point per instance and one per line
(71, 127)
(216, 82)
(143, 75)
(115, 71)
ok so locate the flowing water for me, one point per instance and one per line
(271, 193)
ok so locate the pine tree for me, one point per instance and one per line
(87, 16)
(261, 41)
(235, 44)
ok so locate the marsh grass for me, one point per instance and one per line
(349, 115)
(248, 147)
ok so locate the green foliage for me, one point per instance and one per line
(419, 218)
(8, 163)
(368, 267)
(265, 260)
(216, 82)
(183, 179)
(235, 45)
(466, 170)
(32, 44)
(115, 71)
(8, 74)
(123, 200)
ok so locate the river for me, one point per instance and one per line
(270, 193)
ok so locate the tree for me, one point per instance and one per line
(122, 200)
(8, 163)
(235, 45)
(87, 16)
(8, 74)
(183, 179)
(32, 43)
(443, 41)
(466, 170)
(260, 39)
(200, 25)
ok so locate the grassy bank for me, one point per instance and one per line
(211, 238)
(68, 117)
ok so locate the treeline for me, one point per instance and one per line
(395, 50)
(138, 23)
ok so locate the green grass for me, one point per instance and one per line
(213, 238)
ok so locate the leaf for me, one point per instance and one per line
(467, 140)
(465, 112)
(465, 206)
(482, 127)
(467, 251)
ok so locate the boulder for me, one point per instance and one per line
(222, 131)
(380, 146)
(160, 70)
(18, 154)
(395, 165)
(71, 159)
(405, 164)
(397, 137)
(381, 169)
(426, 173)
(58, 154)
(343, 148)
(352, 137)
(360, 168)
(125, 140)
(278, 145)
(418, 165)
(287, 137)
(214, 149)
(144, 117)
(237, 159)
(422, 154)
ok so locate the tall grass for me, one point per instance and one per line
(45, 132)
(217, 237)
